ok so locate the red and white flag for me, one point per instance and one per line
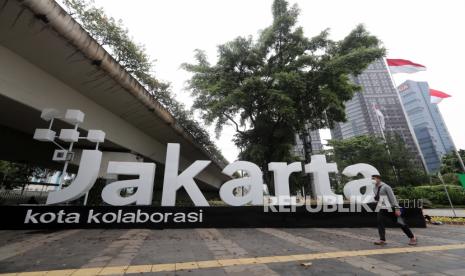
(437, 96)
(404, 66)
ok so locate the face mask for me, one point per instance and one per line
(373, 182)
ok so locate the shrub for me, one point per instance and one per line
(448, 219)
(435, 194)
(451, 178)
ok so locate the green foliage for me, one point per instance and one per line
(451, 178)
(449, 220)
(12, 174)
(372, 150)
(269, 88)
(112, 35)
(435, 194)
(450, 162)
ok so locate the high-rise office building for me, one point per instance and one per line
(426, 120)
(377, 90)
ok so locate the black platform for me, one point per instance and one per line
(14, 217)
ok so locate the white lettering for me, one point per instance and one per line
(140, 215)
(93, 217)
(111, 194)
(85, 178)
(179, 217)
(192, 217)
(172, 181)
(72, 218)
(253, 181)
(51, 217)
(109, 217)
(281, 174)
(352, 188)
(30, 218)
(129, 218)
(321, 185)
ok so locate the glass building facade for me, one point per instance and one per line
(377, 90)
(426, 119)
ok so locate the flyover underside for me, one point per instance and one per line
(26, 89)
(41, 68)
(17, 123)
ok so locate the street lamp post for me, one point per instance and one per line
(71, 136)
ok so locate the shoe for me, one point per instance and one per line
(380, 242)
(413, 241)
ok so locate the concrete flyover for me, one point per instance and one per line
(48, 60)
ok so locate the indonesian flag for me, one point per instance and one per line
(404, 66)
(437, 96)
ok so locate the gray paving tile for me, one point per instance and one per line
(70, 252)
(103, 247)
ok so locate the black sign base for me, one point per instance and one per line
(72, 217)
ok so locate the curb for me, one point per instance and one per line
(450, 223)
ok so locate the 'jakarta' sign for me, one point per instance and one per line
(173, 180)
(136, 210)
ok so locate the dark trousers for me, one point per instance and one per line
(383, 216)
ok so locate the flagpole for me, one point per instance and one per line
(387, 146)
(415, 140)
(447, 193)
(460, 159)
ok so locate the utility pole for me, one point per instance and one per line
(386, 145)
(306, 142)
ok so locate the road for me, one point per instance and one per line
(254, 251)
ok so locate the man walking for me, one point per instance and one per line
(385, 196)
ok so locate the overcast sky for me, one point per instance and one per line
(427, 32)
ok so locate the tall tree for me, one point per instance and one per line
(270, 87)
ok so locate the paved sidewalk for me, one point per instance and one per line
(252, 251)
